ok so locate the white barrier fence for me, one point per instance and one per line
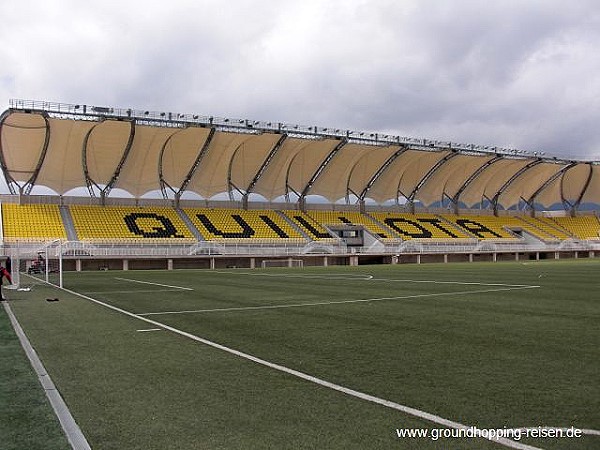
(83, 249)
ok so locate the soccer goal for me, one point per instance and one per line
(41, 261)
(287, 262)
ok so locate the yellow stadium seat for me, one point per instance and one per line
(484, 227)
(32, 222)
(229, 225)
(314, 230)
(581, 227)
(420, 226)
(129, 223)
(337, 218)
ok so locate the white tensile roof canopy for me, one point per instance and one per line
(63, 147)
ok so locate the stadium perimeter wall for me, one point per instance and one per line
(251, 262)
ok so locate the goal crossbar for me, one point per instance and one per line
(284, 262)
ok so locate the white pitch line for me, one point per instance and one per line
(155, 284)
(133, 292)
(277, 275)
(466, 283)
(370, 277)
(339, 302)
(149, 329)
(351, 392)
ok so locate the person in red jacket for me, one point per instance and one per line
(4, 274)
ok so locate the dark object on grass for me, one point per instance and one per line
(51, 299)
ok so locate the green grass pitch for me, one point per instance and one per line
(490, 345)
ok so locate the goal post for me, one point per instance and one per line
(284, 262)
(41, 261)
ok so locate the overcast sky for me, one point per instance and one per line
(513, 73)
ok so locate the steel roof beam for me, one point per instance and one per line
(321, 167)
(511, 180)
(456, 197)
(263, 167)
(201, 154)
(411, 197)
(575, 205)
(380, 172)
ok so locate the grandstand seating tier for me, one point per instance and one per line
(243, 225)
(157, 224)
(420, 226)
(352, 218)
(32, 222)
(118, 222)
(581, 227)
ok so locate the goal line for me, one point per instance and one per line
(284, 262)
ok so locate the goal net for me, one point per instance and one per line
(30, 262)
(287, 262)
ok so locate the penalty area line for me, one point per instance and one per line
(312, 379)
(338, 302)
(309, 276)
(154, 284)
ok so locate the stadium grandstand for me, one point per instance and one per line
(172, 190)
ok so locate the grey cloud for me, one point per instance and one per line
(513, 73)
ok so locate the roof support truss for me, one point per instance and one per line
(456, 198)
(531, 200)
(262, 168)
(320, 169)
(104, 191)
(379, 172)
(411, 197)
(201, 154)
(28, 185)
(520, 172)
(573, 206)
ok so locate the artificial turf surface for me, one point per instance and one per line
(27, 420)
(483, 352)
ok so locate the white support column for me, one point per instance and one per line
(169, 264)
(125, 264)
(78, 265)
(253, 263)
